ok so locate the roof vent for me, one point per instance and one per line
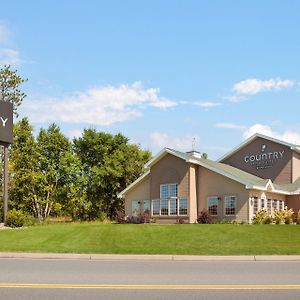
(194, 153)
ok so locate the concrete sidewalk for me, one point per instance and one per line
(149, 257)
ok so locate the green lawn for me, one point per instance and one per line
(217, 239)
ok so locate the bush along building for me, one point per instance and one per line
(262, 172)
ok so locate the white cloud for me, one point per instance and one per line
(163, 103)
(98, 105)
(9, 57)
(234, 98)
(74, 133)
(185, 143)
(207, 104)
(287, 136)
(229, 126)
(254, 86)
(4, 33)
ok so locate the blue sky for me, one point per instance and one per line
(160, 72)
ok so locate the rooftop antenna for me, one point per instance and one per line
(193, 143)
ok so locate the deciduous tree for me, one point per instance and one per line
(10, 82)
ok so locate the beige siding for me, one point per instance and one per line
(193, 213)
(212, 184)
(293, 202)
(139, 192)
(170, 169)
(296, 166)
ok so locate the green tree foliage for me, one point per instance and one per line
(36, 168)
(9, 87)
(50, 177)
(110, 163)
(72, 190)
(51, 147)
(22, 167)
(9, 91)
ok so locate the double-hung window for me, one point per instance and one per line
(183, 206)
(147, 206)
(255, 205)
(173, 207)
(280, 205)
(212, 206)
(164, 207)
(230, 205)
(156, 207)
(262, 203)
(274, 205)
(136, 208)
(269, 206)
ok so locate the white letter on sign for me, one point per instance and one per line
(3, 121)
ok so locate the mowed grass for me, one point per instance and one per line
(191, 239)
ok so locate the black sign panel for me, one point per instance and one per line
(6, 122)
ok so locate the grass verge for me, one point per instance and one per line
(192, 239)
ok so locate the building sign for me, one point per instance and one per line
(6, 122)
(265, 159)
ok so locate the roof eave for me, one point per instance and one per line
(121, 194)
(160, 155)
(254, 136)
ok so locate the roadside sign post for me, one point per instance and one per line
(5, 182)
(6, 138)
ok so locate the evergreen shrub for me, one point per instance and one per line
(18, 218)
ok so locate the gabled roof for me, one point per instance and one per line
(290, 188)
(293, 147)
(140, 179)
(250, 181)
(163, 153)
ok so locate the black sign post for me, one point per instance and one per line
(6, 138)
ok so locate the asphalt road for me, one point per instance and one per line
(84, 279)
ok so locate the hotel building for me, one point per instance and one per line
(262, 172)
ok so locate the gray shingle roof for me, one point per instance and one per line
(225, 169)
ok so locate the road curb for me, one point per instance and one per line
(258, 258)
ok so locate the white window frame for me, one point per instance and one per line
(263, 200)
(177, 203)
(187, 206)
(269, 209)
(169, 212)
(144, 205)
(274, 201)
(152, 207)
(258, 204)
(235, 206)
(138, 202)
(282, 208)
(169, 189)
(213, 197)
(167, 207)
